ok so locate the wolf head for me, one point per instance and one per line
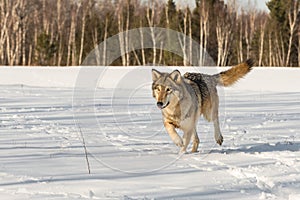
(166, 88)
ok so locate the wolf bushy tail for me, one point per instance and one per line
(231, 76)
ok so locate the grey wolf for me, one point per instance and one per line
(183, 99)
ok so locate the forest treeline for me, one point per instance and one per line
(64, 32)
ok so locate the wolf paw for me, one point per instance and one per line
(195, 146)
(220, 140)
(178, 142)
(182, 151)
(194, 150)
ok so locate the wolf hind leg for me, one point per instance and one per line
(218, 135)
(215, 118)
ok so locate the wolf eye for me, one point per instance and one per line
(157, 88)
(168, 90)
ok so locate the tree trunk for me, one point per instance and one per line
(249, 31)
(204, 31)
(299, 49)
(224, 26)
(96, 43)
(150, 19)
(191, 41)
(121, 36)
(271, 63)
(262, 39)
(45, 18)
(240, 43)
(60, 30)
(142, 45)
(104, 62)
(283, 56)
(292, 17)
(74, 48)
(71, 56)
(206, 35)
(3, 31)
(184, 39)
(14, 38)
(83, 28)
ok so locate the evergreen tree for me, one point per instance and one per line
(278, 11)
(45, 49)
(281, 12)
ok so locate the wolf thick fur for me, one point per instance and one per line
(183, 99)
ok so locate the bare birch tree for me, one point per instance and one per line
(150, 19)
(190, 39)
(72, 49)
(13, 31)
(121, 30)
(104, 59)
(4, 16)
(262, 25)
(85, 7)
(127, 45)
(279, 50)
(183, 41)
(299, 47)
(224, 29)
(250, 27)
(293, 19)
(60, 29)
(46, 21)
(240, 33)
(142, 44)
(204, 29)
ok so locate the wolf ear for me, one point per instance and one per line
(175, 76)
(155, 74)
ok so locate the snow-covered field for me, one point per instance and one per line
(44, 118)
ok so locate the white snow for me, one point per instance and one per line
(130, 154)
(278, 79)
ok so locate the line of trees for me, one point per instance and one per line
(62, 33)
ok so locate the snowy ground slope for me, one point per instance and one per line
(131, 156)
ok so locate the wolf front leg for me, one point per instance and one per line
(196, 142)
(173, 134)
(187, 138)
